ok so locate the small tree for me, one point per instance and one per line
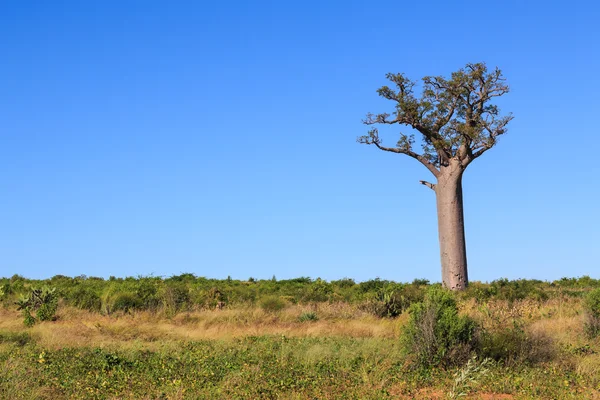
(456, 124)
(43, 302)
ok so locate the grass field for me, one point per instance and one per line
(530, 346)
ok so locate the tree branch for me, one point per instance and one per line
(429, 185)
(412, 154)
(494, 128)
(372, 137)
(402, 119)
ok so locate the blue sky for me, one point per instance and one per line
(219, 138)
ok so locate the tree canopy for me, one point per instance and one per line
(454, 116)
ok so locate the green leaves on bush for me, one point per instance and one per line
(393, 299)
(86, 299)
(5, 290)
(319, 290)
(126, 302)
(591, 308)
(513, 345)
(272, 303)
(436, 334)
(466, 377)
(147, 292)
(175, 296)
(18, 338)
(309, 316)
(43, 302)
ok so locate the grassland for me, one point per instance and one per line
(193, 338)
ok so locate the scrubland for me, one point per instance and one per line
(188, 337)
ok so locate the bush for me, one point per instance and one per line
(125, 302)
(392, 303)
(18, 338)
(515, 346)
(147, 292)
(308, 317)
(86, 299)
(175, 297)
(43, 302)
(215, 298)
(481, 292)
(47, 311)
(591, 308)
(5, 290)
(518, 289)
(372, 285)
(436, 334)
(388, 303)
(393, 299)
(344, 283)
(318, 291)
(17, 283)
(185, 277)
(272, 303)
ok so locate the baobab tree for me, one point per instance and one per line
(456, 123)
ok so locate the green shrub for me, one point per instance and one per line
(410, 294)
(481, 292)
(518, 289)
(309, 316)
(5, 290)
(272, 303)
(391, 304)
(468, 376)
(125, 302)
(47, 312)
(392, 300)
(86, 299)
(420, 282)
(175, 297)
(17, 284)
(318, 291)
(344, 283)
(579, 283)
(214, 298)
(18, 338)
(436, 334)
(591, 307)
(514, 346)
(147, 292)
(28, 319)
(43, 302)
(185, 277)
(372, 285)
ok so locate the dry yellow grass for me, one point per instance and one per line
(589, 366)
(77, 328)
(556, 324)
(528, 310)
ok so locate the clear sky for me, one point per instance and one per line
(219, 138)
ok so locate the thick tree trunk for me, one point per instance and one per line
(451, 227)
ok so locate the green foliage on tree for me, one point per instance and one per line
(453, 116)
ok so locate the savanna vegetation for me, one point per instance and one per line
(188, 337)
